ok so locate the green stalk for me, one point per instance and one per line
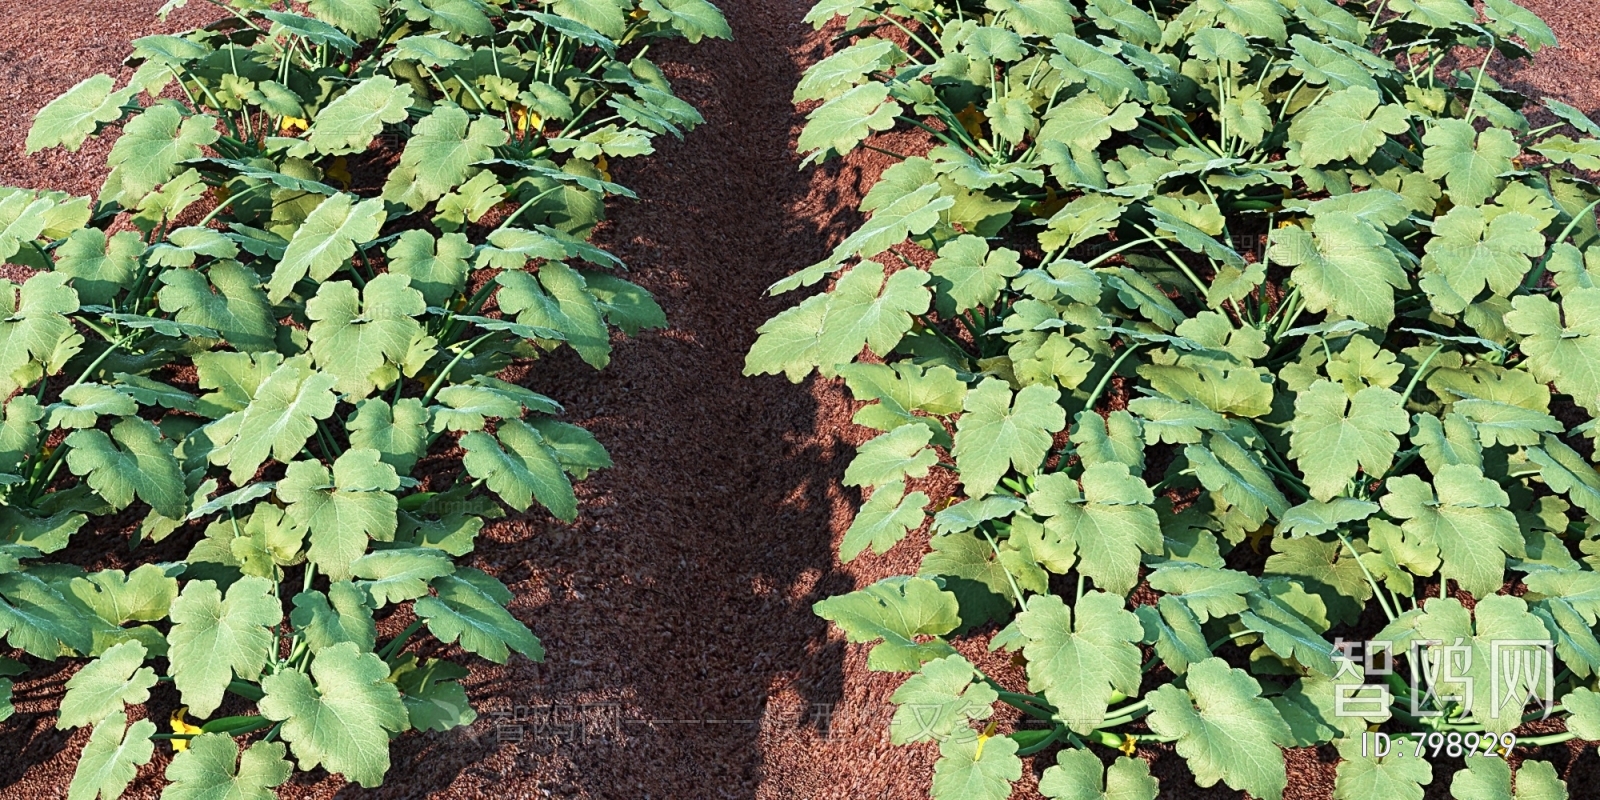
(399, 641)
(1477, 83)
(1056, 733)
(1105, 380)
(438, 381)
(1015, 590)
(1538, 270)
(1421, 369)
(1178, 262)
(525, 206)
(1376, 590)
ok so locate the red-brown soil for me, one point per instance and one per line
(685, 662)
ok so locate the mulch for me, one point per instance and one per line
(684, 660)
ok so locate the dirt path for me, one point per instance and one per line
(684, 658)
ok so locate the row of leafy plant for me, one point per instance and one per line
(328, 226)
(1249, 326)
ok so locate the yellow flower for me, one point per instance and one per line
(1259, 534)
(605, 168)
(291, 124)
(972, 119)
(339, 170)
(179, 725)
(988, 733)
(1129, 746)
(524, 120)
(1051, 203)
(638, 13)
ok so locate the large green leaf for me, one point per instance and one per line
(837, 126)
(326, 240)
(975, 767)
(894, 456)
(1467, 521)
(1078, 664)
(1471, 250)
(215, 638)
(883, 520)
(394, 576)
(440, 153)
(519, 466)
(1362, 775)
(399, 432)
(1237, 475)
(470, 606)
(150, 150)
(116, 679)
(1000, 431)
(694, 19)
(1490, 779)
(826, 331)
(1498, 631)
(1343, 266)
(37, 619)
(363, 18)
(340, 716)
(69, 119)
(557, 298)
(112, 758)
(99, 266)
(340, 615)
(937, 700)
(436, 267)
(1335, 434)
(895, 610)
(1079, 775)
(281, 415)
(232, 304)
(1352, 124)
(367, 340)
(1110, 523)
(211, 767)
(1225, 730)
(353, 119)
(1567, 354)
(134, 460)
(36, 338)
(344, 509)
(1470, 163)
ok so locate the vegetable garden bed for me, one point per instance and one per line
(1197, 271)
(799, 570)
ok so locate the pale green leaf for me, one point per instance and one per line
(340, 716)
(213, 639)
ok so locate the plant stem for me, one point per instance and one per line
(1417, 376)
(438, 381)
(400, 640)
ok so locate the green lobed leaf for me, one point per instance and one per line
(1079, 664)
(895, 610)
(339, 716)
(214, 638)
(1225, 730)
(212, 767)
(112, 758)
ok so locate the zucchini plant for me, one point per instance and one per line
(1258, 334)
(265, 341)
